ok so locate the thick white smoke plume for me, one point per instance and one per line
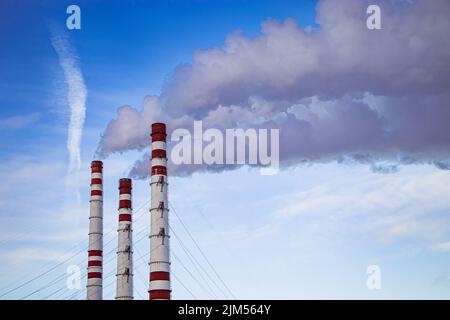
(338, 92)
(76, 97)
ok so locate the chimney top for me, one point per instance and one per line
(125, 183)
(158, 127)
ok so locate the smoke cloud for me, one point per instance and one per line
(340, 91)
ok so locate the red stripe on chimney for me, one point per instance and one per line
(159, 153)
(124, 190)
(159, 275)
(96, 181)
(159, 170)
(96, 192)
(95, 263)
(94, 275)
(95, 253)
(124, 204)
(159, 294)
(124, 217)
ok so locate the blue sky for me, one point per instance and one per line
(310, 231)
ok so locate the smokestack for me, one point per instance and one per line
(124, 251)
(95, 251)
(159, 237)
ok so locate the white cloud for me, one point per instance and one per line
(28, 255)
(392, 207)
(76, 97)
(19, 121)
(442, 247)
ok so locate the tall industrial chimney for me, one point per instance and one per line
(95, 251)
(124, 251)
(159, 237)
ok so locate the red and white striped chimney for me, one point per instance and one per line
(124, 251)
(159, 237)
(95, 251)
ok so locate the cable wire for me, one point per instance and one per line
(202, 253)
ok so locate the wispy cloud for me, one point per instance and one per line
(76, 96)
(19, 121)
(390, 207)
(442, 247)
(32, 255)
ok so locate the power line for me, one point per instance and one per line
(54, 293)
(138, 271)
(66, 260)
(45, 265)
(190, 273)
(61, 276)
(192, 258)
(79, 252)
(201, 251)
(232, 253)
(187, 289)
(46, 286)
(41, 275)
(138, 259)
(112, 258)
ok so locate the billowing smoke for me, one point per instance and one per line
(340, 91)
(76, 96)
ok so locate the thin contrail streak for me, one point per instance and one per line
(76, 97)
